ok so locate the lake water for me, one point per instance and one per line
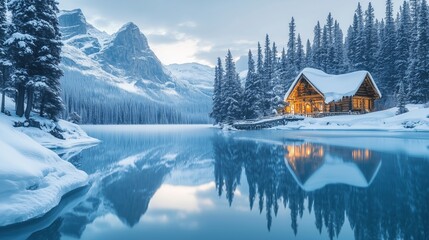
(196, 182)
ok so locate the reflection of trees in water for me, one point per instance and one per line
(393, 206)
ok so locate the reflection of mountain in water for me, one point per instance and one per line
(129, 192)
(316, 165)
(386, 200)
(124, 182)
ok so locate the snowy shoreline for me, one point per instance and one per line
(33, 178)
(416, 120)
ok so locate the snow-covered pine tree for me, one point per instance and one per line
(5, 64)
(386, 62)
(45, 68)
(291, 64)
(283, 72)
(420, 75)
(21, 45)
(300, 55)
(355, 50)
(291, 50)
(308, 54)
(401, 98)
(413, 38)
(216, 113)
(277, 102)
(370, 37)
(403, 44)
(339, 61)
(251, 94)
(231, 91)
(324, 51)
(260, 78)
(267, 77)
(317, 42)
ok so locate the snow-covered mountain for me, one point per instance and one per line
(198, 75)
(103, 74)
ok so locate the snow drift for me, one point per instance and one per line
(32, 178)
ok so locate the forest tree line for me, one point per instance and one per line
(394, 50)
(30, 48)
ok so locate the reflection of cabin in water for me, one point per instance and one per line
(316, 93)
(316, 165)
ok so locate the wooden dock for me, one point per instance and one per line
(266, 123)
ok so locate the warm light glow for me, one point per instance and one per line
(303, 152)
(361, 154)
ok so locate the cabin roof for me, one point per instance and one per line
(333, 87)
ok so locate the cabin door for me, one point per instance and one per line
(308, 108)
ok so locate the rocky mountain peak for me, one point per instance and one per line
(72, 23)
(129, 35)
(129, 51)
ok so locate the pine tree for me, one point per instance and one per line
(403, 44)
(300, 55)
(216, 113)
(420, 73)
(401, 98)
(317, 42)
(370, 40)
(308, 54)
(292, 70)
(35, 48)
(45, 68)
(251, 94)
(387, 55)
(21, 45)
(267, 78)
(5, 64)
(324, 48)
(283, 73)
(355, 50)
(260, 79)
(277, 102)
(231, 91)
(339, 60)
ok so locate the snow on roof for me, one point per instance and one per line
(333, 87)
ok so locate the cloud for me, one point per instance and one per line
(188, 24)
(183, 51)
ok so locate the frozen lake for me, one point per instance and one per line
(196, 182)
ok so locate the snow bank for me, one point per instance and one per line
(71, 133)
(414, 120)
(32, 178)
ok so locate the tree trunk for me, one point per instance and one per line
(2, 100)
(20, 98)
(30, 97)
(42, 103)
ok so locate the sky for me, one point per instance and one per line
(182, 31)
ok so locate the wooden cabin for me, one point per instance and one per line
(316, 93)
